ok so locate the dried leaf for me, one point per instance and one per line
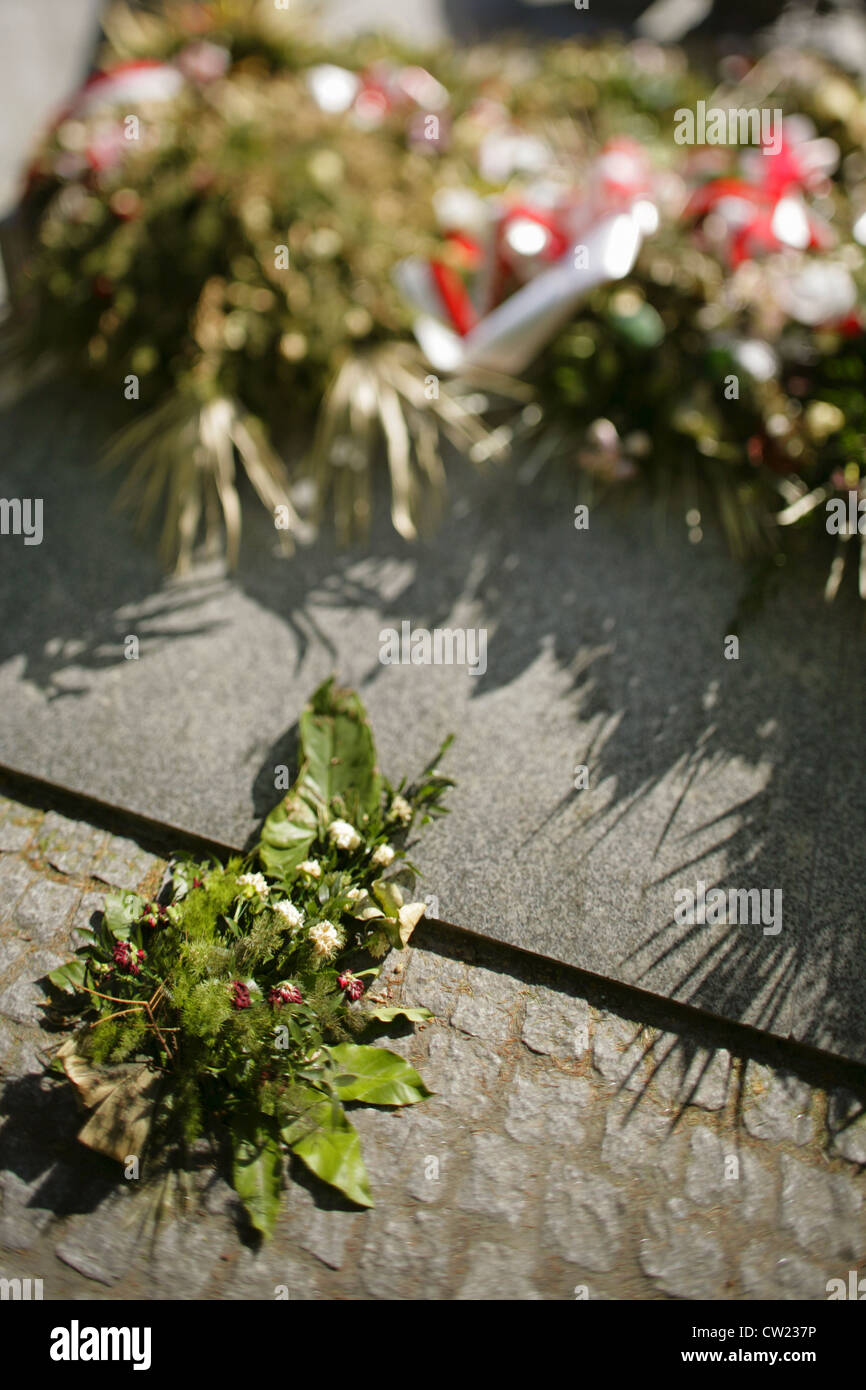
(121, 1098)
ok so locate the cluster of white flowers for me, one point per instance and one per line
(256, 883)
(292, 916)
(382, 856)
(325, 938)
(312, 867)
(344, 835)
(401, 810)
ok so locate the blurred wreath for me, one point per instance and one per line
(219, 227)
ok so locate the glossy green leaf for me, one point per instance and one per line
(311, 1109)
(338, 760)
(376, 1076)
(287, 836)
(389, 896)
(331, 1148)
(70, 977)
(257, 1173)
(122, 910)
(386, 1013)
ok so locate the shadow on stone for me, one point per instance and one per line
(38, 1146)
(76, 596)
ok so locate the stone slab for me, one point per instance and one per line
(605, 648)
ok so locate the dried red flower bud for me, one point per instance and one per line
(284, 994)
(240, 995)
(127, 960)
(351, 986)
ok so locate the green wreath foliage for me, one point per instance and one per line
(166, 267)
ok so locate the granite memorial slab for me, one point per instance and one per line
(615, 761)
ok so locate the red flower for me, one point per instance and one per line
(284, 994)
(128, 960)
(240, 995)
(351, 986)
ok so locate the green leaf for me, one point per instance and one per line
(183, 871)
(337, 760)
(70, 977)
(338, 754)
(386, 1013)
(311, 1109)
(368, 913)
(376, 1076)
(389, 896)
(122, 910)
(331, 1148)
(287, 836)
(257, 1172)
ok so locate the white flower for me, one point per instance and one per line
(256, 883)
(344, 835)
(325, 938)
(356, 893)
(382, 856)
(401, 810)
(311, 867)
(293, 916)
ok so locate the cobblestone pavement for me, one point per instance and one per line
(570, 1150)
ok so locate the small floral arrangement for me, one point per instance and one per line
(236, 1004)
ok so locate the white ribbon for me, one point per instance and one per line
(510, 336)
